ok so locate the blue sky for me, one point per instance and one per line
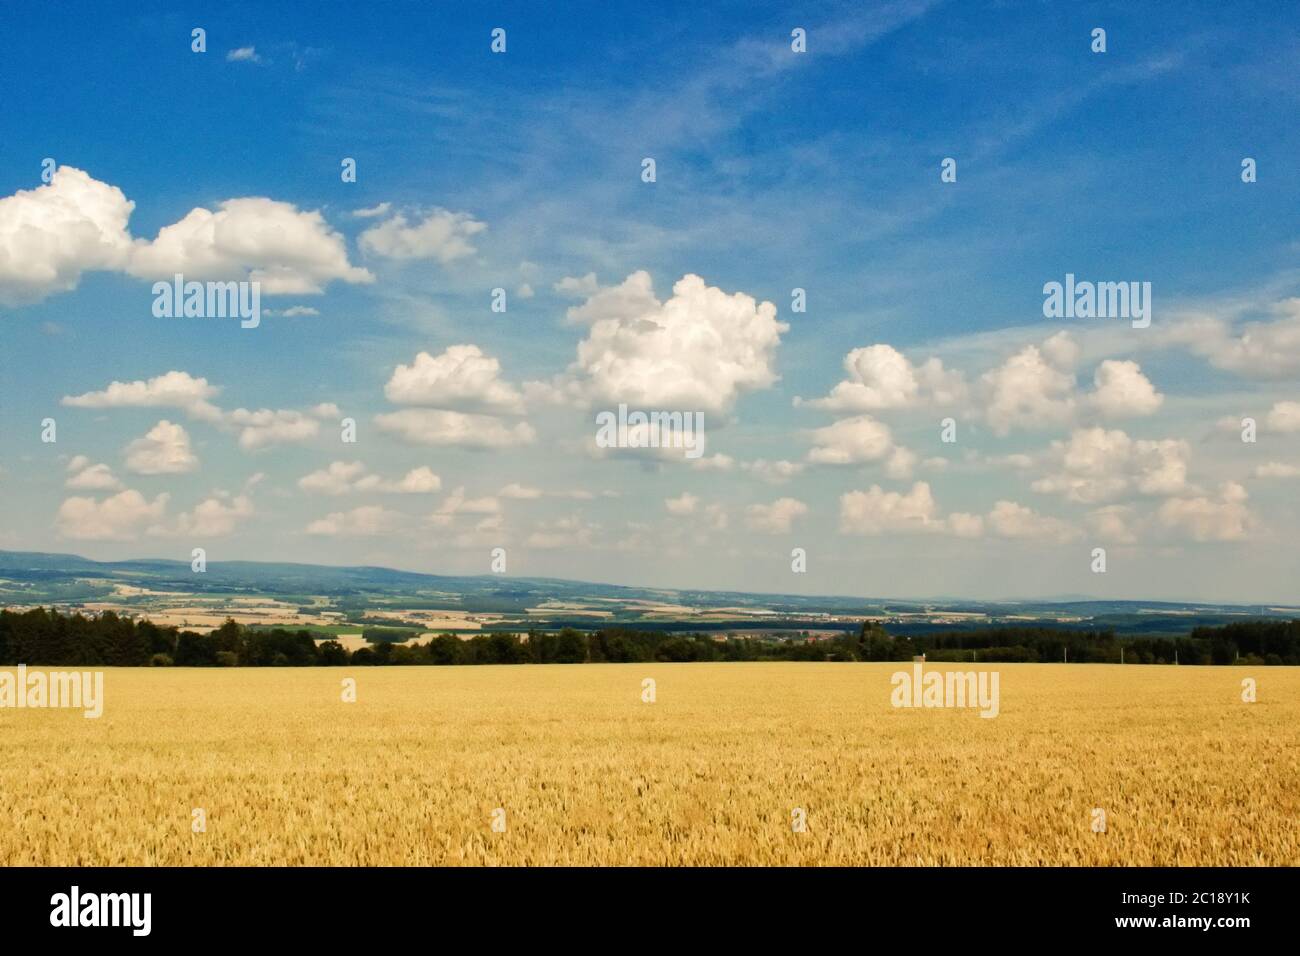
(775, 170)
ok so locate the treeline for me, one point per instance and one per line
(1248, 642)
(46, 637)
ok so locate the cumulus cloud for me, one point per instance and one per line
(83, 476)
(417, 481)
(164, 450)
(1098, 465)
(287, 250)
(174, 389)
(878, 511)
(851, 441)
(338, 479)
(441, 235)
(458, 503)
(683, 504)
(1203, 518)
(121, 517)
(266, 427)
(1034, 388)
(462, 378)
(635, 296)
(773, 472)
(1114, 524)
(698, 351)
(583, 287)
(775, 518)
(1258, 350)
(881, 377)
(423, 426)
(343, 477)
(215, 517)
(52, 234)
(1283, 417)
(1122, 391)
(359, 522)
(1009, 519)
(964, 525)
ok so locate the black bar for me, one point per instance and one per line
(730, 905)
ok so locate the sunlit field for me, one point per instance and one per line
(711, 772)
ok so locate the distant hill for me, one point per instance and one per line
(30, 578)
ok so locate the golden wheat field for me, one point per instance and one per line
(709, 773)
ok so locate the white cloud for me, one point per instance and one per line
(718, 462)
(1277, 469)
(773, 472)
(1258, 350)
(338, 479)
(121, 517)
(173, 389)
(50, 235)
(902, 462)
(441, 235)
(1226, 518)
(83, 476)
(965, 525)
(417, 481)
(454, 429)
(266, 427)
(164, 450)
(583, 288)
(287, 250)
(683, 504)
(1122, 391)
(1008, 519)
(1113, 524)
(1034, 388)
(1283, 417)
(876, 511)
(698, 351)
(851, 441)
(775, 518)
(1098, 465)
(462, 378)
(342, 477)
(362, 521)
(457, 504)
(215, 517)
(880, 377)
(243, 54)
(635, 296)
(372, 212)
